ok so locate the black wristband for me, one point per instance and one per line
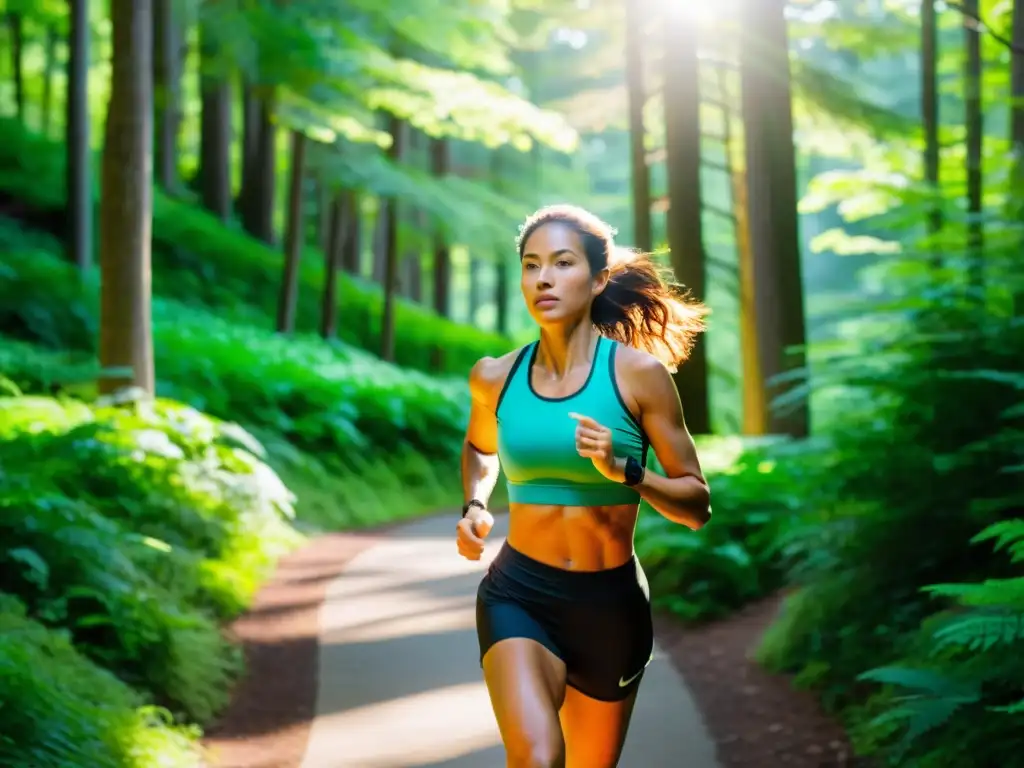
(472, 503)
(634, 472)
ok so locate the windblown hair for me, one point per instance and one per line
(641, 306)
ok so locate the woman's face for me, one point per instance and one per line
(556, 280)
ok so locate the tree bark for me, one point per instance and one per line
(440, 163)
(637, 96)
(49, 67)
(930, 114)
(772, 199)
(293, 238)
(126, 340)
(755, 409)
(1017, 127)
(339, 226)
(16, 30)
(351, 244)
(974, 123)
(215, 131)
(76, 126)
(166, 92)
(684, 224)
(387, 326)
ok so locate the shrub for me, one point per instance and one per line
(138, 528)
(59, 710)
(198, 260)
(926, 456)
(328, 399)
(734, 559)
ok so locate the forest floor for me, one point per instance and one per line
(286, 714)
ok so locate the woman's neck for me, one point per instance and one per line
(562, 349)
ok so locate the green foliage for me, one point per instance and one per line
(131, 531)
(197, 260)
(927, 452)
(967, 677)
(324, 398)
(734, 559)
(60, 710)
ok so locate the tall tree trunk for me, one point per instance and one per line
(440, 162)
(324, 214)
(49, 69)
(77, 144)
(380, 241)
(387, 326)
(930, 113)
(166, 91)
(973, 120)
(16, 29)
(637, 95)
(413, 281)
(684, 227)
(258, 211)
(336, 236)
(771, 198)
(215, 130)
(250, 148)
(501, 266)
(351, 244)
(501, 295)
(1017, 130)
(126, 340)
(755, 409)
(293, 238)
(475, 295)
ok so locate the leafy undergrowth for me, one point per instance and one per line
(344, 481)
(131, 533)
(907, 618)
(61, 710)
(735, 559)
(199, 261)
(348, 430)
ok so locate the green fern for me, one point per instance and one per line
(1008, 535)
(994, 593)
(979, 631)
(936, 699)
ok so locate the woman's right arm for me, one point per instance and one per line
(480, 465)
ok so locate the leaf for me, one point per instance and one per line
(38, 570)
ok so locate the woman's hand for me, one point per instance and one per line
(594, 441)
(471, 532)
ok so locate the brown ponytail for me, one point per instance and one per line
(639, 306)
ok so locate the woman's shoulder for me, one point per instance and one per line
(639, 366)
(488, 374)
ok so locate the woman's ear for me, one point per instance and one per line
(601, 280)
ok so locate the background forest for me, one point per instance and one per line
(294, 224)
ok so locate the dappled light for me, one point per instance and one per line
(255, 256)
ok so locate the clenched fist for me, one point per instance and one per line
(471, 532)
(594, 442)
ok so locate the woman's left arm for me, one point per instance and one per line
(681, 494)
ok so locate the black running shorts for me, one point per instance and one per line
(597, 622)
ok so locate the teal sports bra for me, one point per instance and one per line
(537, 437)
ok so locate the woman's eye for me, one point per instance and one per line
(565, 263)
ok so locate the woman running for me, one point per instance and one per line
(563, 613)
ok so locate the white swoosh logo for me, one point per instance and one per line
(624, 683)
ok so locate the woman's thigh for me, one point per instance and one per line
(594, 730)
(526, 684)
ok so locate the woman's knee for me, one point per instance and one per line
(526, 682)
(541, 747)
